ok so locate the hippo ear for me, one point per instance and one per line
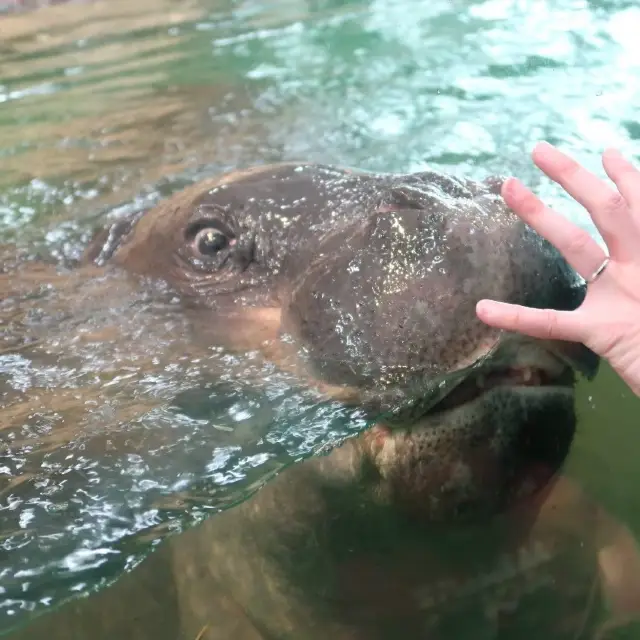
(107, 240)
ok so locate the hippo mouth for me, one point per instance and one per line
(540, 371)
(493, 439)
(484, 381)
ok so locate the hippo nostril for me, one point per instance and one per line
(406, 197)
(494, 184)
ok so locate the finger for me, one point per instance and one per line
(579, 249)
(606, 205)
(546, 324)
(624, 175)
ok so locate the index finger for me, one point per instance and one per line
(608, 208)
(578, 248)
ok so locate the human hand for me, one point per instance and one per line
(608, 320)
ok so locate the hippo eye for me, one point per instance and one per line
(208, 241)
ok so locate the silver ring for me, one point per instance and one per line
(598, 272)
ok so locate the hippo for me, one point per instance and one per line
(450, 516)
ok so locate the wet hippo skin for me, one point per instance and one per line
(449, 518)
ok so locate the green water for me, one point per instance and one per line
(107, 107)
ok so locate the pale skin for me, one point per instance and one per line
(608, 321)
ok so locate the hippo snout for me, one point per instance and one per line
(389, 301)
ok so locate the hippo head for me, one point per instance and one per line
(369, 283)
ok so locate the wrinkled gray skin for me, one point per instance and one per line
(446, 519)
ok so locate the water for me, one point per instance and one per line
(108, 107)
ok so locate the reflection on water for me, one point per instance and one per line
(107, 107)
(118, 429)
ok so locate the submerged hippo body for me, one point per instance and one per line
(447, 519)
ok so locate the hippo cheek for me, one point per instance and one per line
(239, 328)
(478, 459)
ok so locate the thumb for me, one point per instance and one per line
(545, 324)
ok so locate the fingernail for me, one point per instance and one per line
(613, 152)
(483, 308)
(542, 145)
(512, 190)
(506, 187)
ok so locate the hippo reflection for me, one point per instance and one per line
(446, 519)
